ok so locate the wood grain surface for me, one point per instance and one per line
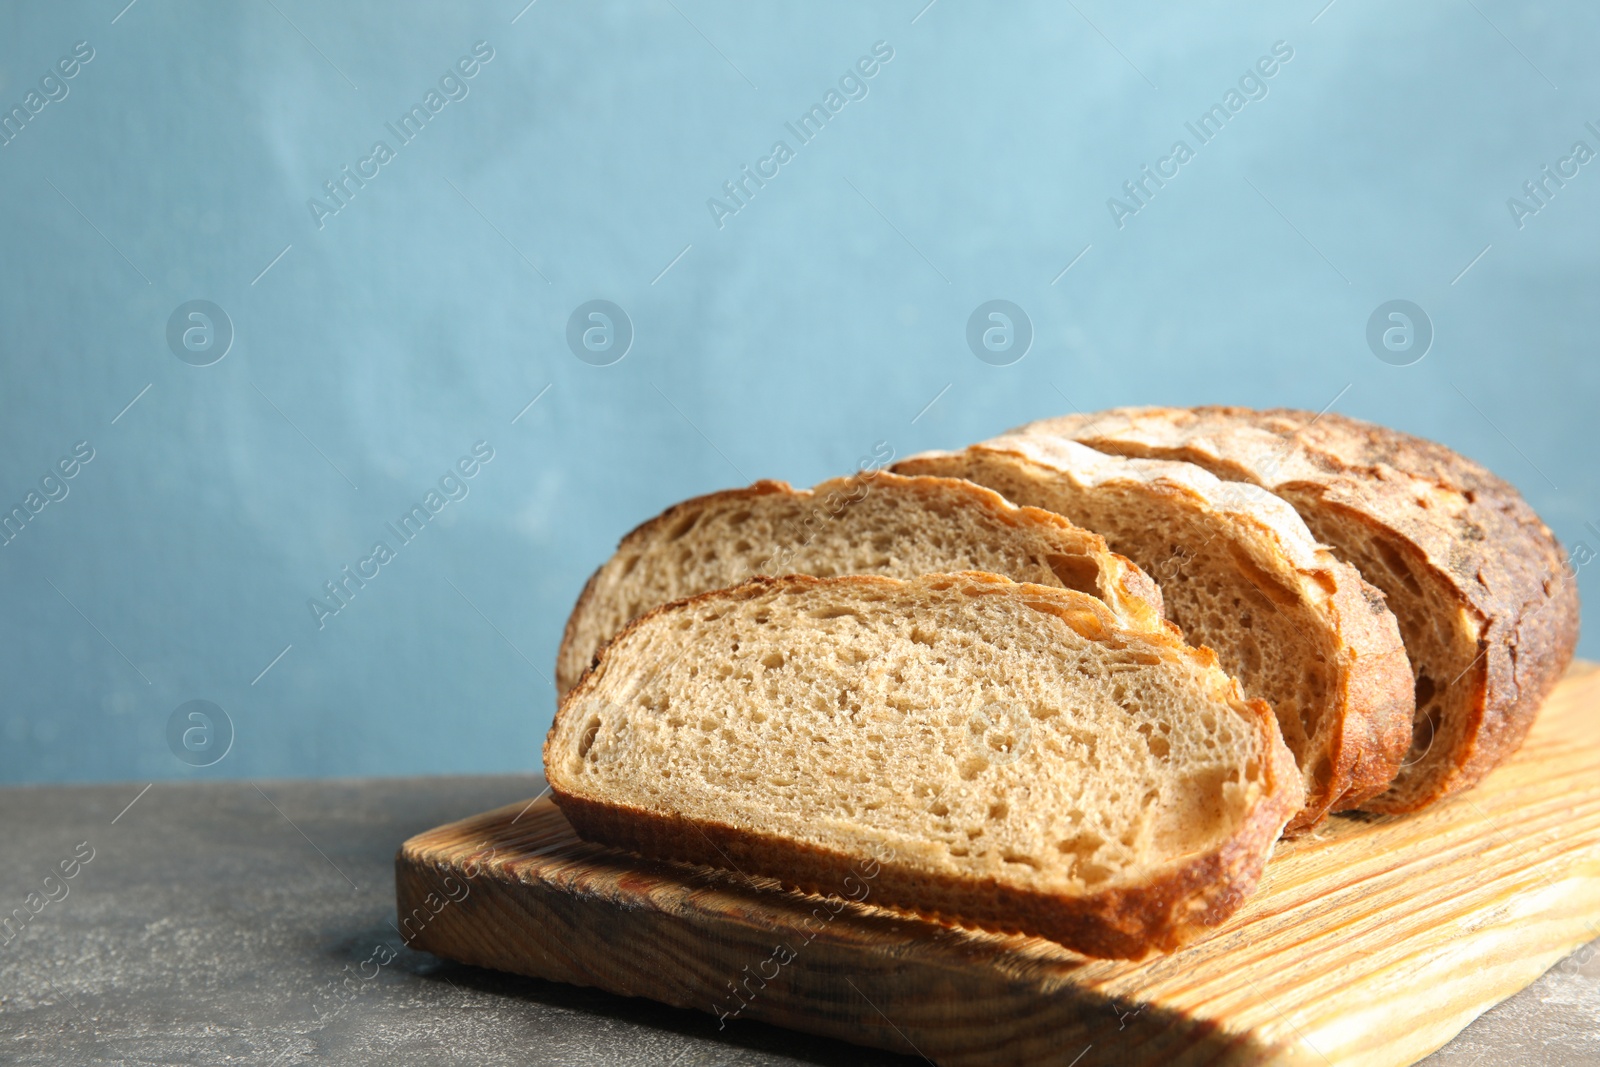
(1372, 942)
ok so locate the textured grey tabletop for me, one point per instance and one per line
(217, 923)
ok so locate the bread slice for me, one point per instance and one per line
(873, 523)
(1240, 573)
(959, 745)
(1482, 589)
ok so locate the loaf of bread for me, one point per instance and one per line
(1007, 754)
(1239, 573)
(1481, 588)
(873, 523)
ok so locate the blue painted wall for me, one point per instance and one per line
(380, 336)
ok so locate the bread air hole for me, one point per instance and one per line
(1076, 572)
(682, 526)
(1081, 848)
(1001, 744)
(1425, 690)
(591, 730)
(1158, 745)
(1395, 564)
(1322, 771)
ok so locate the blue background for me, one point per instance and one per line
(821, 319)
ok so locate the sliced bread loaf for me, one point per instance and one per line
(1241, 574)
(873, 523)
(1479, 584)
(1000, 753)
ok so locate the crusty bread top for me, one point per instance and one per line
(1468, 528)
(1025, 760)
(872, 523)
(1249, 505)
(1346, 709)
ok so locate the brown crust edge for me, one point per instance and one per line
(1123, 923)
(1378, 695)
(1450, 777)
(1136, 589)
(1530, 635)
(565, 652)
(1521, 655)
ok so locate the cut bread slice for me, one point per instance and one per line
(1482, 589)
(959, 745)
(873, 523)
(1241, 574)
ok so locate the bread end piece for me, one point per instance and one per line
(1486, 597)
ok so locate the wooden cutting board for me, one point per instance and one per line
(1372, 943)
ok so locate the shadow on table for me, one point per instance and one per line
(738, 1033)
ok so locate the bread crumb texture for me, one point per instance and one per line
(1240, 574)
(977, 727)
(872, 523)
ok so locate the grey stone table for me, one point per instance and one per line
(217, 922)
